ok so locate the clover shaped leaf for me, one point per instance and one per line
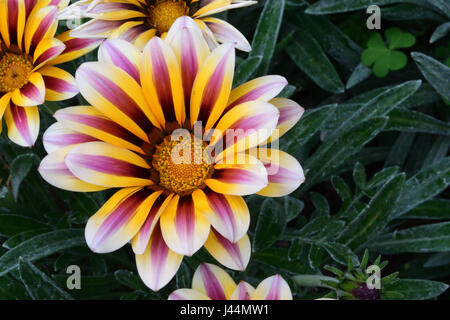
(384, 58)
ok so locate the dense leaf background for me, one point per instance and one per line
(375, 152)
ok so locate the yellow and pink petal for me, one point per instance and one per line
(55, 171)
(244, 291)
(213, 281)
(158, 265)
(183, 228)
(59, 84)
(119, 219)
(32, 93)
(41, 24)
(12, 21)
(106, 165)
(225, 32)
(290, 114)
(23, 124)
(59, 136)
(284, 172)
(232, 255)
(273, 288)
(75, 47)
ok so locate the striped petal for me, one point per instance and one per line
(119, 219)
(290, 114)
(184, 230)
(161, 81)
(123, 55)
(158, 265)
(284, 172)
(88, 120)
(243, 291)
(114, 11)
(229, 215)
(23, 124)
(225, 32)
(12, 21)
(213, 281)
(140, 241)
(141, 40)
(188, 294)
(59, 84)
(55, 171)
(4, 103)
(210, 7)
(46, 50)
(259, 89)
(238, 177)
(232, 255)
(40, 24)
(96, 29)
(117, 95)
(75, 47)
(58, 136)
(105, 165)
(191, 50)
(31, 94)
(212, 86)
(273, 288)
(245, 126)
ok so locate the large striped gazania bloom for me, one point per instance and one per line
(138, 21)
(123, 140)
(212, 283)
(28, 53)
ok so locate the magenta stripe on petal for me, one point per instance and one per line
(111, 7)
(145, 232)
(232, 248)
(79, 44)
(114, 94)
(59, 85)
(212, 89)
(288, 113)
(121, 61)
(189, 67)
(277, 174)
(29, 5)
(56, 169)
(238, 176)
(243, 293)
(159, 252)
(62, 140)
(212, 285)
(161, 79)
(256, 93)
(185, 221)
(108, 165)
(131, 34)
(32, 92)
(222, 208)
(44, 26)
(119, 217)
(50, 53)
(274, 291)
(19, 116)
(13, 10)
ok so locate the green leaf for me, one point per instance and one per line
(130, 279)
(442, 5)
(11, 289)
(310, 58)
(183, 277)
(271, 224)
(411, 121)
(23, 236)
(276, 258)
(246, 69)
(38, 284)
(415, 289)
(374, 218)
(427, 238)
(334, 152)
(41, 246)
(292, 208)
(341, 253)
(436, 73)
(398, 39)
(427, 183)
(266, 34)
(358, 75)
(315, 256)
(20, 167)
(12, 224)
(440, 32)
(335, 6)
(438, 209)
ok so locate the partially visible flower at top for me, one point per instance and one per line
(28, 53)
(137, 21)
(140, 101)
(212, 283)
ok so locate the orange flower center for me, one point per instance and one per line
(14, 72)
(181, 164)
(164, 13)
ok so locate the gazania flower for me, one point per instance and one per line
(138, 21)
(125, 139)
(28, 53)
(212, 283)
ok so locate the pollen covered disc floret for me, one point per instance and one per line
(181, 164)
(14, 71)
(163, 13)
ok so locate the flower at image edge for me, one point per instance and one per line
(124, 140)
(28, 52)
(139, 21)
